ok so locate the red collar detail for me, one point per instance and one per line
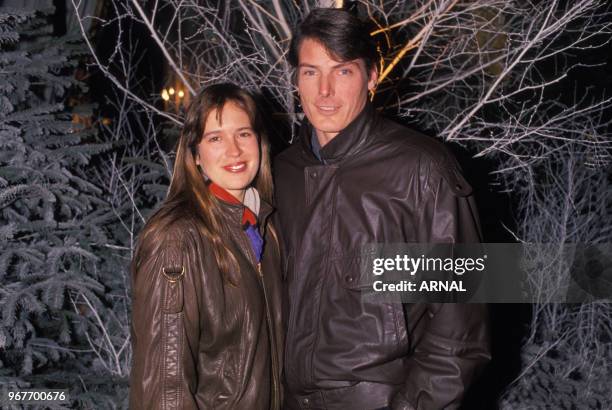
(247, 215)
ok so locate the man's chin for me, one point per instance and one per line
(327, 127)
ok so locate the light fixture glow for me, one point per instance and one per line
(181, 94)
(164, 95)
(171, 91)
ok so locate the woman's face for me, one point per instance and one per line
(229, 150)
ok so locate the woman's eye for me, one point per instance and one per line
(245, 134)
(214, 138)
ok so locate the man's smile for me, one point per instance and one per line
(327, 109)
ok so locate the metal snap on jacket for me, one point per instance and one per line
(348, 278)
(313, 174)
(173, 274)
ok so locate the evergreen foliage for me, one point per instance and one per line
(52, 220)
(561, 379)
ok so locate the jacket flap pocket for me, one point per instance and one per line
(352, 273)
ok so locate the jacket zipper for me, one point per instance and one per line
(273, 347)
(290, 329)
(275, 378)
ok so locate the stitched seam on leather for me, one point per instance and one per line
(178, 362)
(171, 393)
(162, 364)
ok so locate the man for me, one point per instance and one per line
(351, 179)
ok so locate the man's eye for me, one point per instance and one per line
(245, 134)
(344, 71)
(308, 72)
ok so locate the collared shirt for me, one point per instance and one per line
(316, 145)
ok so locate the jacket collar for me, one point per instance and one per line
(234, 212)
(347, 143)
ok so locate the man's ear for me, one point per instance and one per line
(373, 79)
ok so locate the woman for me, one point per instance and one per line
(206, 325)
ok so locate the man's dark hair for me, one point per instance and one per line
(344, 35)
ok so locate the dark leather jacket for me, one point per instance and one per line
(376, 182)
(199, 341)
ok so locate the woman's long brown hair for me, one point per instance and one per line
(188, 191)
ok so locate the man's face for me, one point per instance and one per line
(332, 92)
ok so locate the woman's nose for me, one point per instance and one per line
(233, 148)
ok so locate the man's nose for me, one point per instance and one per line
(326, 87)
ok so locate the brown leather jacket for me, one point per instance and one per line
(200, 342)
(375, 182)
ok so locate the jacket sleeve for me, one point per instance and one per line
(449, 341)
(163, 371)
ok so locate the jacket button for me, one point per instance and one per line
(305, 401)
(313, 174)
(348, 279)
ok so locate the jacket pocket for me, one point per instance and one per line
(351, 273)
(383, 319)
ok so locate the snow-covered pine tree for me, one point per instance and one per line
(50, 224)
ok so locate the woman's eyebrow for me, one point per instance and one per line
(211, 132)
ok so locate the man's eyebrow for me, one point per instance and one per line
(345, 63)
